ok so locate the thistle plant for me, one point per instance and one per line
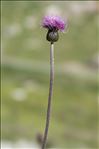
(53, 24)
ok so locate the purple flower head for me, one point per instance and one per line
(53, 23)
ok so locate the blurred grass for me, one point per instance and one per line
(26, 66)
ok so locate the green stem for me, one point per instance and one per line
(50, 95)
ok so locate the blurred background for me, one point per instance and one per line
(25, 75)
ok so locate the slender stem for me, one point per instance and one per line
(50, 95)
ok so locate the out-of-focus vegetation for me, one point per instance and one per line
(25, 74)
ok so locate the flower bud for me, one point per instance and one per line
(52, 36)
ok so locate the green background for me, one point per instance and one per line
(25, 75)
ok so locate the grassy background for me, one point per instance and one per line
(25, 75)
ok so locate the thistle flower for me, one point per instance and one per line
(53, 24)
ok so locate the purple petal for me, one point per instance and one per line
(51, 22)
